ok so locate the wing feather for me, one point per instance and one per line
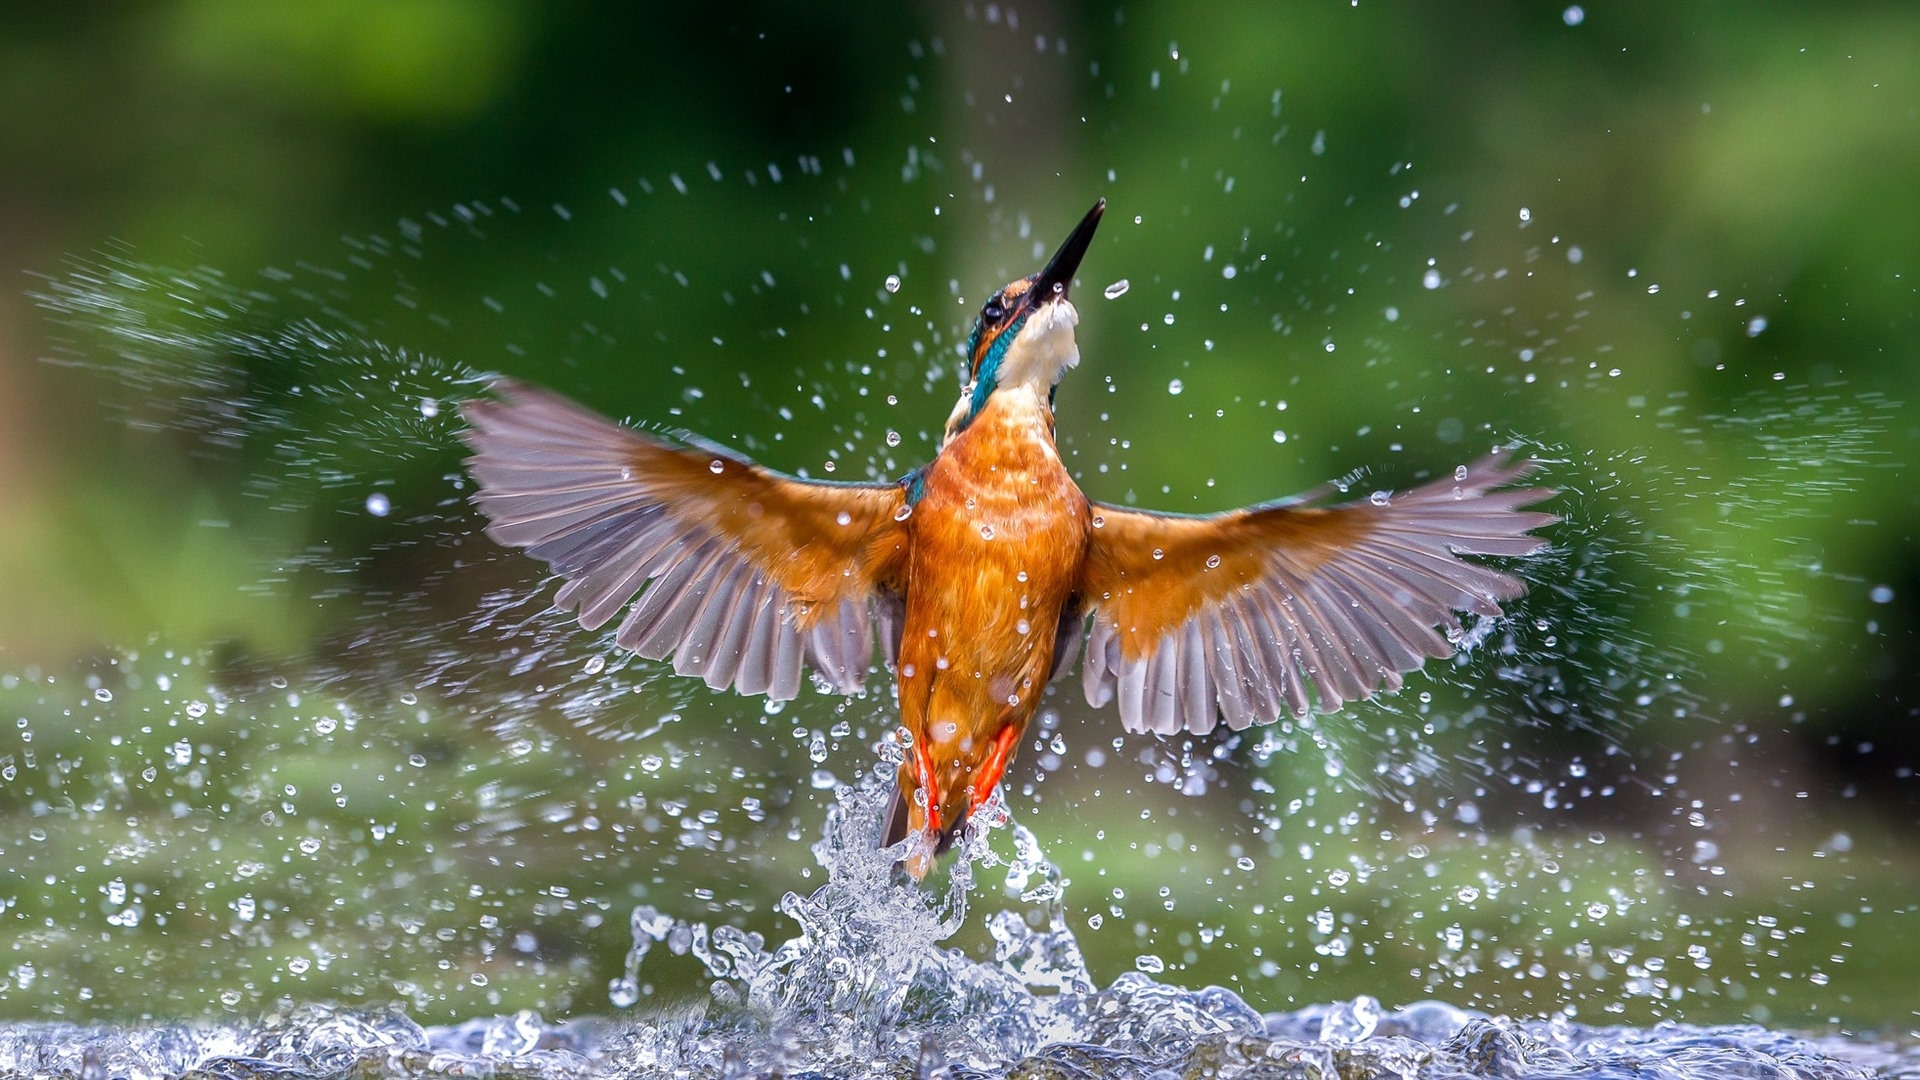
(755, 673)
(1263, 700)
(1197, 694)
(729, 632)
(1295, 606)
(695, 654)
(1133, 695)
(1097, 675)
(783, 666)
(1224, 669)
(741, 574)
(1163, 702)
(654, 626)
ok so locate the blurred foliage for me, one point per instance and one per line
(1358, 236)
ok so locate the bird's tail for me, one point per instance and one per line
(896, 823)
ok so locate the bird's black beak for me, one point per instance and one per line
(1053, 281)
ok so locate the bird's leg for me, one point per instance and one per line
(994, 766)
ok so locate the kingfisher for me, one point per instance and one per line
(980, 575)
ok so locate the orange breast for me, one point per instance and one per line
(997, 543)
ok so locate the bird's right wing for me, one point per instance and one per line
(747, 573)
(1289, 607)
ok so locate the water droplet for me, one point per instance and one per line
(594, 665)
(717, 466)
(893, 438)
(1099, 522)
(1459, 473)
(1379, 498)
(1118, 289)
(1574, 15)
(623, 992)
(986, 532)
(1213, 562)
(1152, 965)
(1881, 594)
(902, 512)
(1279, 436)
(102, 694)
(1431, 279)
(893, 283)
(1756, 325)
(1176, 386)
(1158, 554)
(429, 408)
(378, 505)
(843, 518)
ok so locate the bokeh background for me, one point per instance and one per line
(277, 726)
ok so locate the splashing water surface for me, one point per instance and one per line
(866, 989)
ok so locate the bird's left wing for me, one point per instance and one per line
(1293, 606)
(747, 573)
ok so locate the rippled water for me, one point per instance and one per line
(1134, 1028)
(864, 989)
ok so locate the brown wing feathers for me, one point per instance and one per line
(746, 573)
(1285, 608)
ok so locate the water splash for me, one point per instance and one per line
(864, 989)
(1146, 1030)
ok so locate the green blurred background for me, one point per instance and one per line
(1672, 244)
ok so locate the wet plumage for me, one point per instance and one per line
(979, 575)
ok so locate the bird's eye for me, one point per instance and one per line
(993, 312)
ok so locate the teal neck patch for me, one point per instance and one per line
(988, 379)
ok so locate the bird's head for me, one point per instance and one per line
(1024, 336)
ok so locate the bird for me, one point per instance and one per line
(981, 574)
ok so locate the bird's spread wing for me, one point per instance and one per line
(1289, 607)
(746, 572)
